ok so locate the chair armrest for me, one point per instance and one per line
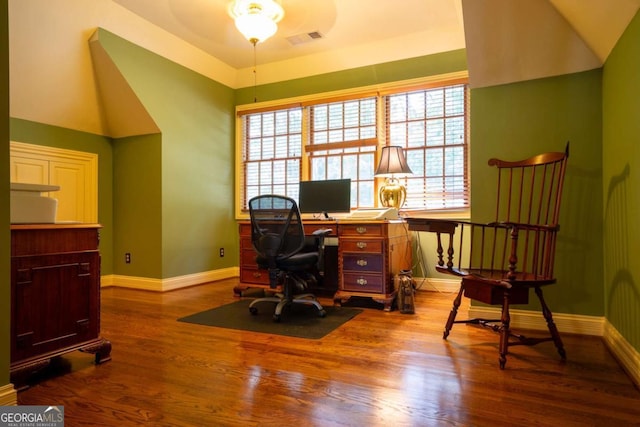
(322, 232)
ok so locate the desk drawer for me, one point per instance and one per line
(362, 245)
(309, 229)
(248, 258)
(369, 230)
(254, 275)
(362, 262)
(362, 282)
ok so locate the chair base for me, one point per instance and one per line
(282, 301)
(502, 326)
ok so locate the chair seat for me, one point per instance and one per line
(497, 276)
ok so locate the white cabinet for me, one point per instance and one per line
(75, 172)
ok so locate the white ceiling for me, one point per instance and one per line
(506, 40)
(428, 24)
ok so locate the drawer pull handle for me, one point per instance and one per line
(361, 230)
(361, 262)
(361, 245)
(361, 281)
(257, 275)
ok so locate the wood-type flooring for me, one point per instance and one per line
(378, 369)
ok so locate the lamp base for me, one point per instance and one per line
(392, 194)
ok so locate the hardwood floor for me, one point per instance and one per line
(379, 369)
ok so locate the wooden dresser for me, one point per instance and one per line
(370, 254)
(55, 295)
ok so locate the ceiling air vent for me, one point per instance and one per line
(304, 38)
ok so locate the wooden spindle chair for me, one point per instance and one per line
(500, 261)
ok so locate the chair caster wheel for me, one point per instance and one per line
(253, 310)
(322, 313)
(276, 318)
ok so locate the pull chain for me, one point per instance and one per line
(255, 73)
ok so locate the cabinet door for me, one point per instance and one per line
(55, 302)
(72, 179)
(29, 170)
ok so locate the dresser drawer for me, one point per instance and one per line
(362, 282)
(362, 245)
(362, 262)
(369, 230)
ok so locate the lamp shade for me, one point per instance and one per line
(393, 162)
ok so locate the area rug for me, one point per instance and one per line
(298, 320)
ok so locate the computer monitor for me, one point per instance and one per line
(324, 197)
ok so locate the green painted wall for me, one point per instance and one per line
(54, 136)
(405, 69)
(523, 119)
(195, 186)
(137, 201)
(621, 181)
(5, 248)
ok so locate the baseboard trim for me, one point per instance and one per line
(8, 395)
(438, 285)
(527, 319)
(627, 356)
(169, 284)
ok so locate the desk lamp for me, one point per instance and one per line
(392, 165)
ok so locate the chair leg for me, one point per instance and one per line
(505, 330)
(555, 335)
(454, 311)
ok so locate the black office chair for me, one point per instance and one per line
(277, 235)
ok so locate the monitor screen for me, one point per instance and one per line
(332, 195)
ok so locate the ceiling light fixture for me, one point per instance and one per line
(257, 20)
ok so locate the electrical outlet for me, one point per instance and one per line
(221, 252)
(127, 258)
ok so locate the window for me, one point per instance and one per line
(343, 145)
(341, 138)
(272, 152)
(431, 126)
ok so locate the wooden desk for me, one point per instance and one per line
(369, 255)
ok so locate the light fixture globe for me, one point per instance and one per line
(256, 19)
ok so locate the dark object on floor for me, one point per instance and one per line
(406, 292)
(302, 320)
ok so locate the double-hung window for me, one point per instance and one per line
(342, 138)
(272, 153)
(343, 142)
(431, 126)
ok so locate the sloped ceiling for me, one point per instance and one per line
(509, 41)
